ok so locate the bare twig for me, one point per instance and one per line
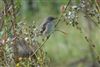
(88, 38)
(13, 17)
(52, 32)
(39, 47)
(1, 20)
(62, 15)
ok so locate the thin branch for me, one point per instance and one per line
(62, 15)
(40, 47)
(52, 32)
(13, 17)
(61, 32)
(1, 20)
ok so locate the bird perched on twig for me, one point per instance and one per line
(47, 26)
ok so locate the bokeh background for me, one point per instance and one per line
(62, 50)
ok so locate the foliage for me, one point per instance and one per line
(21, 43)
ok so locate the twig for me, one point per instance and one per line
(88, 38)
(13, 17)
(1, 20)
(61, 32)
(62, 15)
(52, 32)
(97, 6)
(39, 47)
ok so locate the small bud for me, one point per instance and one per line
(62, 8)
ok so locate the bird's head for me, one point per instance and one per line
(51, 18)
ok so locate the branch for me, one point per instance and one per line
(39, 47)
(52, 32)
(62, 15)
(13, 17)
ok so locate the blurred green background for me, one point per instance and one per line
(62, 50)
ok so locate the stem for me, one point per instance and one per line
(53, 31)
(13, 17)
(62, 15)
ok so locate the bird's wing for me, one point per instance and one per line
(48, 28)
(43, 27)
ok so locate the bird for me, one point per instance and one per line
(21, 48)
(47, 26)
(24, 50)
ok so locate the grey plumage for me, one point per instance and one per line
(22, 48)
(47, 26)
